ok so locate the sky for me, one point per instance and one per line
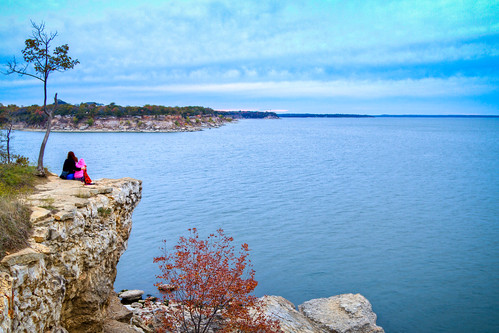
(296, 56)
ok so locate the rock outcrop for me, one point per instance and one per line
(346, 313)
(279, 308)
(64, 280)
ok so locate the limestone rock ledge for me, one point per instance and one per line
(64, 280)
(345, 313)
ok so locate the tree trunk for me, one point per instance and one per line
(40, 169)
(9, 130)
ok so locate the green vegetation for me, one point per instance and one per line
(48, 204)
(16, 179)
(88, 112)
(33, 115)
(104, 212)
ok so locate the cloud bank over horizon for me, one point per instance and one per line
(426, 57)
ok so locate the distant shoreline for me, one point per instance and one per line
(436, 116)
(313, 115)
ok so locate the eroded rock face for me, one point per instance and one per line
(290, 320)
(64, 280)
(347, 313)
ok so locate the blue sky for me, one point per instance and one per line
(330, 56)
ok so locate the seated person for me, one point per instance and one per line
(69, 167)
(82, 174)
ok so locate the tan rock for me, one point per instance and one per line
(40, 234)
(63, 215)
(291, 321)
(346, 313)
(39, 213)
(114, 326)
(117, 311)
(23, 257)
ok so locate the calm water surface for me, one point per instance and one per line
(402, 210)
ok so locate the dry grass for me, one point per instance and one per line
(16, 180)
(15, 226)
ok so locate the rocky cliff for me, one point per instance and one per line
(64, 279)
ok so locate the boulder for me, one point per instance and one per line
(131, 296)
(346, 313)
(166, 288)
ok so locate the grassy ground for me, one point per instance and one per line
(16, 180)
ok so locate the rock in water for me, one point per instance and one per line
(131, 296)
(346, 313)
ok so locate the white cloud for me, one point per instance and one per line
(180, 33)
(360, 89)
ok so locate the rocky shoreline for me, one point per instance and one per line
(63, 281)
(147, 124)
(346, 313)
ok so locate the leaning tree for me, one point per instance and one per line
(37, 53)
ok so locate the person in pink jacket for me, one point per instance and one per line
(79, 174)
(82, 174)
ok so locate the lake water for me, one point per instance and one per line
(402, 210)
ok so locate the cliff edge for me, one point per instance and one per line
(64, 279)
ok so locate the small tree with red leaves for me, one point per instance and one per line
(211, 287)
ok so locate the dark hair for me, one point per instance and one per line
(72, 156)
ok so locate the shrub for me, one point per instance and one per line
(212, 287)
(16, 178)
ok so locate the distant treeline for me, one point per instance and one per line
(312, 115)
(249, 114)
(33, 115)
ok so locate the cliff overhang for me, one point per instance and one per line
(64, 279)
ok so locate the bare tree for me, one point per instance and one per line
(5, 136)
(37, 52)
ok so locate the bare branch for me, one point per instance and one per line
(14, 68)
